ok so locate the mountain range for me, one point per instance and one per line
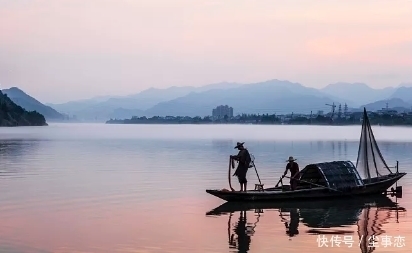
(273, 96)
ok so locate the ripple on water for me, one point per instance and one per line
(98, 188)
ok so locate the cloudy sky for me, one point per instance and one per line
(60, 50)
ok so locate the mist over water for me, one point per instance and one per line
(141, 188)
(61, 131)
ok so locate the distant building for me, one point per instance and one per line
(221, 111)
(387, 111)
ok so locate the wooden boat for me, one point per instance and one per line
(332, 179)
(355, 202)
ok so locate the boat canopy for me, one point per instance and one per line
(336, 175)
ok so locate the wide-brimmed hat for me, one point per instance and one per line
(239, 144)
(291, 159)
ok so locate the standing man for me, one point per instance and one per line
(244, 159)
(294, 172)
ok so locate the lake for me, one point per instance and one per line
(141, 188)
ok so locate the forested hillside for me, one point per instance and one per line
(14, 115)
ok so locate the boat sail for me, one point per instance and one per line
(370, 162)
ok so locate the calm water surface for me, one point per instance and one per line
(141, 188)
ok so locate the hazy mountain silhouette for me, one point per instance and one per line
(405, 85)
(359, 93)
(272, 96)
(29, 103)
(392, 103)
(404, 93)
(102, 109)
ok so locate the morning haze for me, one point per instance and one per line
(60, 50)
(112, 133)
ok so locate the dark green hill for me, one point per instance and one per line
(29, 103)
(14, 115)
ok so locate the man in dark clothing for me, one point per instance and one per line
(244, 159)
(294, 172)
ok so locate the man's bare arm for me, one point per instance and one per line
(286, 171)
(235, 157)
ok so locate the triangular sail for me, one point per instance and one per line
(370, 162)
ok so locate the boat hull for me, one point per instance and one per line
(379, 200)
(378, 186)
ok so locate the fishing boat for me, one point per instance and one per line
(336, 179)
(240, 206)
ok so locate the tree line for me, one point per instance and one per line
(12, 114)
(354, 118)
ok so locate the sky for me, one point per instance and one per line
(62, 50)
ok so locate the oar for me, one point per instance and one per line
(253, 163)
(280, 180)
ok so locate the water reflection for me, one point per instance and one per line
(361, 219)
(16, 148)
(370, 225)
(6, 247)
(292, 223)
(13, 153)
(240, 238)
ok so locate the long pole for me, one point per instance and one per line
(396, 186)
(397, 168)
(253, 163)
(280, 180)
(229, 174)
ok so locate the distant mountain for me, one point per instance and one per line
(29, 103)
(12, 114)
(404, 93)
(221, 86)
(127, 106)
(358, 93)
(392, 104)
(405, 85)
(272, 96)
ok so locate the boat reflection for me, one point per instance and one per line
(326, 217)
(292, 223)
(243, 231)
(370, 225)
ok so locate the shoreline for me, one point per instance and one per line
(352, 120)
(256, 124)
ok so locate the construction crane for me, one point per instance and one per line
(310, 117)
(346, 110)
(333, 109)
(340, 111)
